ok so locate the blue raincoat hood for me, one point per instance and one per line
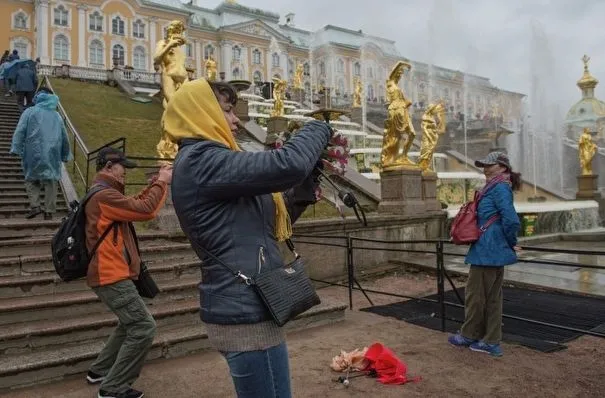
(46, 101)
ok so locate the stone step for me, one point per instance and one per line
(12, 229)
(24, 203)
(9, 161)
(12, 167)
(41, 265)
(79, 303)
(32, 336)
(21, 195)
(12, 187)
(51, 364)
(18, 212)
(11, 175)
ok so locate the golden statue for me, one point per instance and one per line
(357, 93)
(586, 151)
(433, 125)
(279, 91)
(298, 77)
(210, 69)
(170, 58)
(398, 124)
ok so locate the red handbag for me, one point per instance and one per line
(465, 227)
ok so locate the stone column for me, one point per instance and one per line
(197, 49)
(82, 34)
(152, 41)
(226, 54)
(269, 61)
(42, 31)
(401, 192)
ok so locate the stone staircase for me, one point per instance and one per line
(49, 328)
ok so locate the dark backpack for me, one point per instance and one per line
(68, 245)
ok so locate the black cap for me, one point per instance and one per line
(109, 154)
(494, 158)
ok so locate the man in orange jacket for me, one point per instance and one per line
(113, 268)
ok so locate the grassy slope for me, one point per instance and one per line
(102, 114)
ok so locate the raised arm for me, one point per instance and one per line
(118, 207)
(225, 174)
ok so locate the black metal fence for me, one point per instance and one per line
(354, 244)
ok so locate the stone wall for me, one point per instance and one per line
(329, 263)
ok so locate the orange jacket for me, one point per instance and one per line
(116, 257)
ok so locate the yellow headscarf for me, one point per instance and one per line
(194, 112)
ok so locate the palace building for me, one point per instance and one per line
(246, 43)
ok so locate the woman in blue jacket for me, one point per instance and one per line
(497, 247)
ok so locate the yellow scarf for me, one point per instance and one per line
(194, 112)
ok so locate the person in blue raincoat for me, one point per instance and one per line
(40, 140)
(497, 247)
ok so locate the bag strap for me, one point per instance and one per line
(238, 274)
(101, 239)
(489, 222)
(91, 192)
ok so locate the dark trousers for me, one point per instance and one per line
(483, 304)
(24, 95)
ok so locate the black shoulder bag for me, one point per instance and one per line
(145, 285)
(286, 291)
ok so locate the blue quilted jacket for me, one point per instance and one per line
(495, 246)
(224, 204)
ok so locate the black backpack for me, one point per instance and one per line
(68, 245)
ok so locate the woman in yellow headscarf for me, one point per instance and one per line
(230, 203)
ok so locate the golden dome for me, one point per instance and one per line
(587, 80)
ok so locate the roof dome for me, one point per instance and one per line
(587, 111)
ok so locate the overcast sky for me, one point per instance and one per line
(487, 37)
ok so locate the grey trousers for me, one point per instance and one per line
(34, 190)
(121, 360)
(483, 304)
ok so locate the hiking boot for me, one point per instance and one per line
(491, 349)
(33, 213)
(48, 216)
(460, 341)
(130, 393)
(94, 378)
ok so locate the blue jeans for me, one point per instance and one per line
(260, 374)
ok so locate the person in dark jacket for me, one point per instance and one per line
(25, 86)
(4, 57)
(239, 206)
(497, 247)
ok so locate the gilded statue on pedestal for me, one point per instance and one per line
(279, 91)
(398, 124)
(298, 77)
(357, 93)
(586, 150)
(170, 57)
(433, 125)
(210, 69)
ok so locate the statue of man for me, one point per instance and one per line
(357, 93)
(279, 90)
(210, 69)
(586, 151)
(170, 57)
(298, 76)
(398, 123)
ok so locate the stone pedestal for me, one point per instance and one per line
(588, 187)
(241, 110)
(401, 192)
(429, 192)
(357, 115)
(298, 95)
(275, 125)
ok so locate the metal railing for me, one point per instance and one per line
(349, 243)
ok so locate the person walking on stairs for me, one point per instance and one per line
(26, 83)
(113, 268)
(40, 140)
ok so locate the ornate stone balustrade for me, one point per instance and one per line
(82, 73)
(137, 76)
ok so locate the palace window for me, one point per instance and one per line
(236, 74)
(138, 29)
(370, 73)
(341, 87)
(208, 51)
(258, 77)
(256, 57)
(306, 69)
(189, 50)
(139, 59)
(20, 21)
(21, 45)
(96, 53)
(308, 87)
(95, 22)
(340, 66)
(61, 45)
(237, 53)
(357, 69)
(61, 16)
(322, 68)
(118, 55)
(117, 26)
(275, 58)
